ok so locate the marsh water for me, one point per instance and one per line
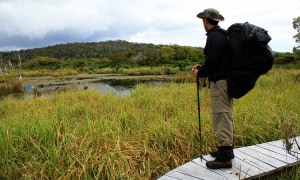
(117, 84)
(103, 88)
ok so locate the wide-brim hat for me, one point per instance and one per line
(211, 13)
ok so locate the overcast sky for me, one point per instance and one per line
(26, 24)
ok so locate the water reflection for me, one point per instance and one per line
(103, 88)
(106, 88)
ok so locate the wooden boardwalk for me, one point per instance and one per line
(249, 163)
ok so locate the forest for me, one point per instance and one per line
(113, 54)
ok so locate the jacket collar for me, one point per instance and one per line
(213, 29)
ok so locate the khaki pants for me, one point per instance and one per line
(221, 106)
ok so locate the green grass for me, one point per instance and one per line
(86, 135)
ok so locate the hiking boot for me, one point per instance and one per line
(224, 155)
(215, 154)
(218, 164)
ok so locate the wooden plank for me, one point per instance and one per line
(253, 162)
(168, 177)
(288, 157)
(274, 148)
(230, 173)
(295, 151)
(262, 167)
(277, 144)
(174, 175)
(250, 162)
(241, 163)
(296, 147)
(194, 170)
(277, 164)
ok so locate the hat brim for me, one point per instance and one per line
(202, 15)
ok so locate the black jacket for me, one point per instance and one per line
(216, 53)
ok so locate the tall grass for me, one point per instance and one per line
(46, 72)
(139, 71)
(87, 135)
(15, 87)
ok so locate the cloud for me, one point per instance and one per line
(32, 23)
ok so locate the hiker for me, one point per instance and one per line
(215, 69)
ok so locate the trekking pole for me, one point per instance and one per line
(199, 118)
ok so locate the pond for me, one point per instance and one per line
(120, 85)
(103, 88)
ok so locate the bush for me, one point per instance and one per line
(13, 88)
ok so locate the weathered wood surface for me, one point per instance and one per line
(249, 163)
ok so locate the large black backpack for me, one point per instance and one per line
(250, 56)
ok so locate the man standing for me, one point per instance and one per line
(215, 68)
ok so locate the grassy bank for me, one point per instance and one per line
(83, 134)
(157, 70)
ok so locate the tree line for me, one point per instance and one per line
(114, 54)
(106, 54)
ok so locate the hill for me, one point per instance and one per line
(115, 54)
(111, 54)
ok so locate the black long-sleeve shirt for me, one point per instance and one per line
(216, 53)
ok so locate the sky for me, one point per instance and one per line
(27, 24)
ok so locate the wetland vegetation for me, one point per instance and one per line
(79, 134)
(76, 134)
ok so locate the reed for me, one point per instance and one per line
(87, 135)
(160, 70)
(46, 72)
(14, 87)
